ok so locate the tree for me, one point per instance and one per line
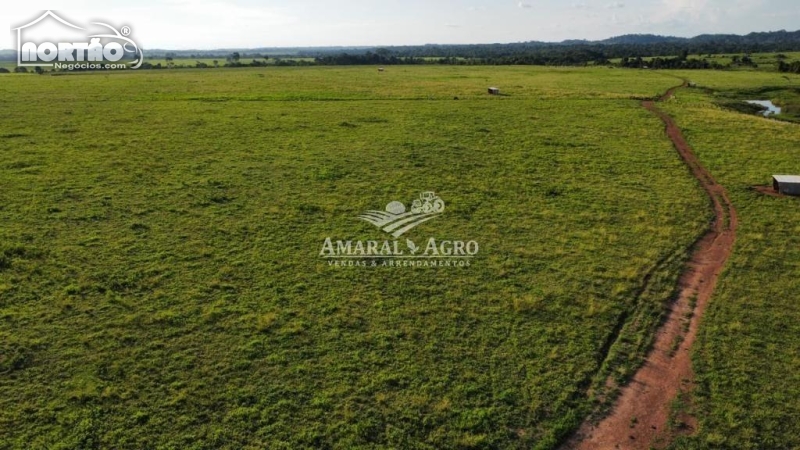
(38, 70)
(4, 70)
(20, 69)
(216, 63)
(233, 60)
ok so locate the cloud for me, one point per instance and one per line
(687, 12)
(229, 12)
(780, 14)
(615, 5)
(522, 4)
(234, 24)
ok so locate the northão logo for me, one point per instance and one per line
(75, 46)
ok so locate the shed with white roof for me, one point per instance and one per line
(787, 184)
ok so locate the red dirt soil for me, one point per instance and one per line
(768, 190)
(639, 419)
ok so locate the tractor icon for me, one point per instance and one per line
(428, 203)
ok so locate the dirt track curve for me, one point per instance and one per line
(639, 418)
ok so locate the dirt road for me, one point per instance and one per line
(639, 418)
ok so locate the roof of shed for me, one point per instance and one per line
(787, 178)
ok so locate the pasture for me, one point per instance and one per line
(161, 286)
(747, 362)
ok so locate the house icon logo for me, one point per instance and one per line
(63, 45)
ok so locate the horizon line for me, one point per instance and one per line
(370, 46)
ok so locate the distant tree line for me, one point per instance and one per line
(684, 62)
(669, 63)
(630, 46)
(381, 57)
(630, 51)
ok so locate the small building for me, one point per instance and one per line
(786, 184)
(494, 91)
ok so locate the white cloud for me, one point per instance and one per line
(228, 12)
(690, 11)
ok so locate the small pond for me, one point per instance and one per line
(771, 108)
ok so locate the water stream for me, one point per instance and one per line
(771, 108)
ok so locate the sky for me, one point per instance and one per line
(214, 24)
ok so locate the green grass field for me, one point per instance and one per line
(747, 357)
(160, 284)
(730, 89)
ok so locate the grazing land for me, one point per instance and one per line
(642, 417)
(746, 360)
(160, 285)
